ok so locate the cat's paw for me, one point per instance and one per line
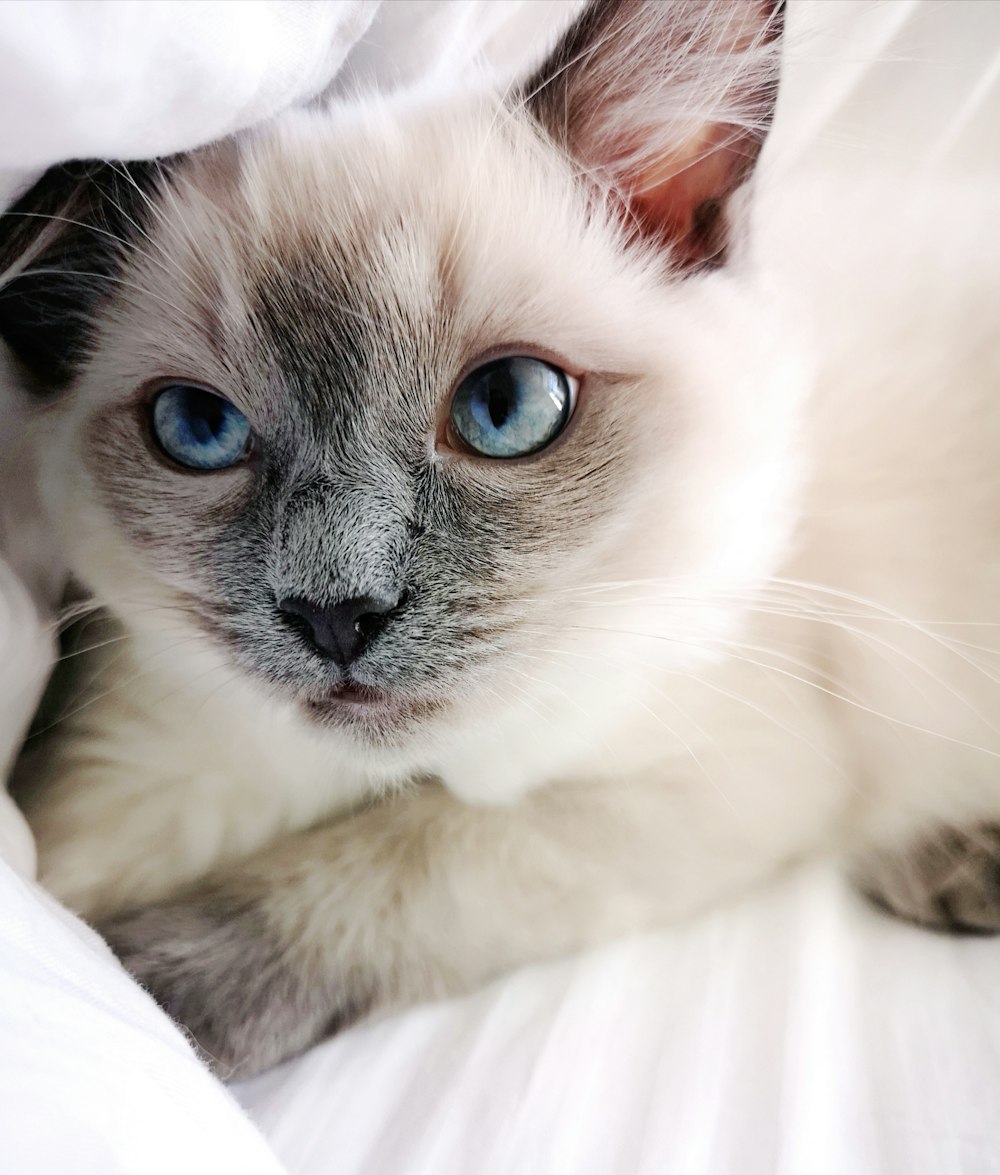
(949, 881)
(219, 969)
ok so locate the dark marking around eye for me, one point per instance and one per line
(48, 311)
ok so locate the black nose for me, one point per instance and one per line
(341, 631)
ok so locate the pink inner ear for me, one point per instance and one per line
(679, 198)
(669, 101)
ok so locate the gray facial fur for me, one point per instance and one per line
(343, 356)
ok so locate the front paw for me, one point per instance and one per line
(948, 881)
(248, 996)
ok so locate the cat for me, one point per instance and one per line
(507, 537)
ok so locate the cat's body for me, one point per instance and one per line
(739, 612)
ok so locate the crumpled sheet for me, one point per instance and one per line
(796, 1032)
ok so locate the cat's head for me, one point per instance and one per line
(448, 423)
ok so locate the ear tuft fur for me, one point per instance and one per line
(667, 104)
(61, 246)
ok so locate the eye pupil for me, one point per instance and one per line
(199, 429)
(512, 407)
(499, 403)
(207, 424)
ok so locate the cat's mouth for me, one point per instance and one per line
(365, 709)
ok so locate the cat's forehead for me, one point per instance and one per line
(382, 256)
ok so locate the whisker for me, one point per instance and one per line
(89, 701)
(662, 722)
(901, 722)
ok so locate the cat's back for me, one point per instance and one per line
(892, 291)
(901, 519)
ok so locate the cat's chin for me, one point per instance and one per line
(372, 716)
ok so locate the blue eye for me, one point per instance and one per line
(512, 407)
(199, 429)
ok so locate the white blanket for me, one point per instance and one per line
(797, 1032)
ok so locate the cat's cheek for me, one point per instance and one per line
(134, 525)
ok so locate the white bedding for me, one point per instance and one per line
(797, 1032)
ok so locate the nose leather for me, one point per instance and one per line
(341, 631)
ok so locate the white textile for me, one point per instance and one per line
(94, 1079)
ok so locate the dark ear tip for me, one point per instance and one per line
(619, 95)
(60, 245)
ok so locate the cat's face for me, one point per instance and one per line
(336, 278)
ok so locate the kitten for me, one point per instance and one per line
(499, 553)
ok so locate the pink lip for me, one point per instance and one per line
(355, 695)
(364, 706)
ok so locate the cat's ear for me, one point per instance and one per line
(666, 103)
(61, 246)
